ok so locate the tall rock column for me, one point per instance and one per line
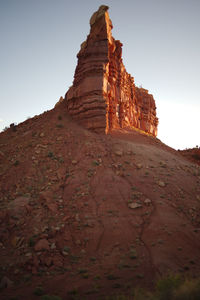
(85, 99)
(103, 95)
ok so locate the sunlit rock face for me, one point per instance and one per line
(103, 96)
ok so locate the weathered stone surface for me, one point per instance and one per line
(103, 95)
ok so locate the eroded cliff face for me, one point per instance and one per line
(103, 96)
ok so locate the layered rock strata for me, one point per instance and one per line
(103, 95)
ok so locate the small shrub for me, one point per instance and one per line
(13, 127)
(5, 128)
(31, 241)
(165, 287)
(133, 254)
(50, 297)
(96, 163)
(16, 163)
(61, 160)
(82, 271)
(50, 154)
(118, 297)
(171, 287)
(97, 277)
(140, 276)
(140, 294)
(66, 249)
(59, 125)
(93, 259)
(27, 277)
(112, 277)
(189, 290)
(90, 172)
(116, 285)
(39, 291)
(73, 292)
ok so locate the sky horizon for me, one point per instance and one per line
(161, 50)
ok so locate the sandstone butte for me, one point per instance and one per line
(103, 95)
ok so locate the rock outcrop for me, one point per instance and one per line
(103, 95)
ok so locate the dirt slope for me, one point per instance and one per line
(192, 154)
(92, 214)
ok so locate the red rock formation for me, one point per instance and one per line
(103, 95)
(147, 120)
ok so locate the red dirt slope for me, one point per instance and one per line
(92, 214)
(192, 154)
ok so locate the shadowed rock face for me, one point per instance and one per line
(103, 96)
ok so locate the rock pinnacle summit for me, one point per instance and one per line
(103, 95)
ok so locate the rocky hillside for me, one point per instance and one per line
(86, 215)
(90, 215)
(192, 154)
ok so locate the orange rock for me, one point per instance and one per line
(103, 95)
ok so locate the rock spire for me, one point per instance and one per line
(103, 95)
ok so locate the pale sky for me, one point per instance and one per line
(161, 49)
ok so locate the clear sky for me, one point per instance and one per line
(39, 40)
